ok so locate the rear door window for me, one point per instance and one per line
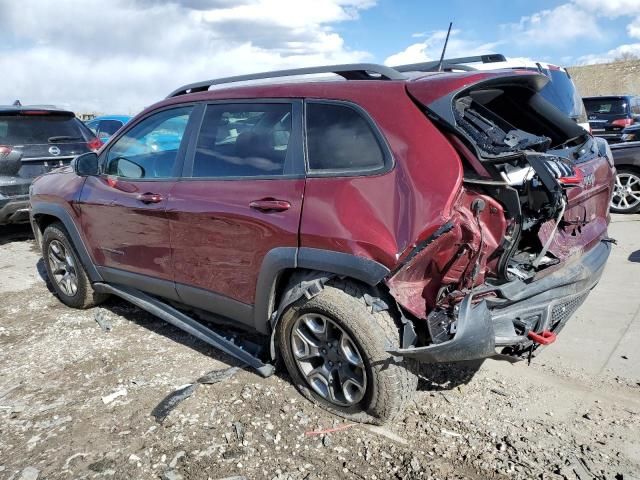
(244, 140)
(340, 140)
(31, 129)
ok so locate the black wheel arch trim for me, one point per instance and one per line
(280, 259)
(57, 211)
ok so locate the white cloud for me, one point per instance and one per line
(431, 48)
(565, 23)
(633, 29)
(609, 8)
(124, 56)
(630, 48)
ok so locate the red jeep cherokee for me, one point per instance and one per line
(363, 224)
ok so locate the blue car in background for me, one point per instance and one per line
(104, 127)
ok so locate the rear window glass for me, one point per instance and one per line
(109, 126)
(34, 129)
(340, 139)
(562, 93)
(615, 106)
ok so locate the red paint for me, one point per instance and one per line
(213, 234)
(381, 217)
(450, 260)
(219, 241)
(122, 231)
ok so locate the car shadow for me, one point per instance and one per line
(432, 377)
(446, 376)
(15, 233)
(634, 257)
(156, 325)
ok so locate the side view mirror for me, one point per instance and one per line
(86, 164)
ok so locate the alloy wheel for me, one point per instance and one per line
(62, 268)
(626, 193)
(329, 359)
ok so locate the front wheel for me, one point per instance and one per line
(626, 192)
(65, 272)
(334, 348)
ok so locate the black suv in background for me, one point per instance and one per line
(35, 140)
(610, 115)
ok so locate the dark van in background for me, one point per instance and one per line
(610, 115)
(35, 140)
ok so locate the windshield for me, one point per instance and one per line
(562, 93)
(606, 105)
(38, 129)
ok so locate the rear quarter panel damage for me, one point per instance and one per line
(456, 260)
(381, 217)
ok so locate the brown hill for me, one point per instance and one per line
(616, 78)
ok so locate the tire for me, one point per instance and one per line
(390, 385)
(626, 196)
(65, 271)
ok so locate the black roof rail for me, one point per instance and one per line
(350, 71)
(451, 63)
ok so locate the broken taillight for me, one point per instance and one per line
(94, 144)
(572, 180)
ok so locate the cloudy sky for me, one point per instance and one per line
(116, 56)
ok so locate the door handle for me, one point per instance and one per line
(148, 198)
(270, 205)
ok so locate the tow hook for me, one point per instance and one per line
(543, 338)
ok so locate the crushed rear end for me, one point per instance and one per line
(525, 239)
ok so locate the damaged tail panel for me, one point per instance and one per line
(534, 201)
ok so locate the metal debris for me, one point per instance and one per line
(499, 391)
(29, 473)
(102, 317)
(171, 401)
(107, 399)
(216, 376)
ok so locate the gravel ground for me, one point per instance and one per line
(77, 401)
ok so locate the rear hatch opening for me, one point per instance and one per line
(535, 195)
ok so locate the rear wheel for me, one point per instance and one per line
(333, 346)
(65, 272)
(626, 191)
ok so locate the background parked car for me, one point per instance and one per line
(631, 133)
(609, 115)
(626, 194)
(33, 141)
(104, 127)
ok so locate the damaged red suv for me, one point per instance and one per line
(363, 225)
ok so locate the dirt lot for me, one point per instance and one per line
(76, 401)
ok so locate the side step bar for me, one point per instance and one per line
(186, 323)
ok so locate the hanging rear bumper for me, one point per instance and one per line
(505, 319)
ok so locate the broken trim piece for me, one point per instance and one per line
(445, 228)
(474, 338)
